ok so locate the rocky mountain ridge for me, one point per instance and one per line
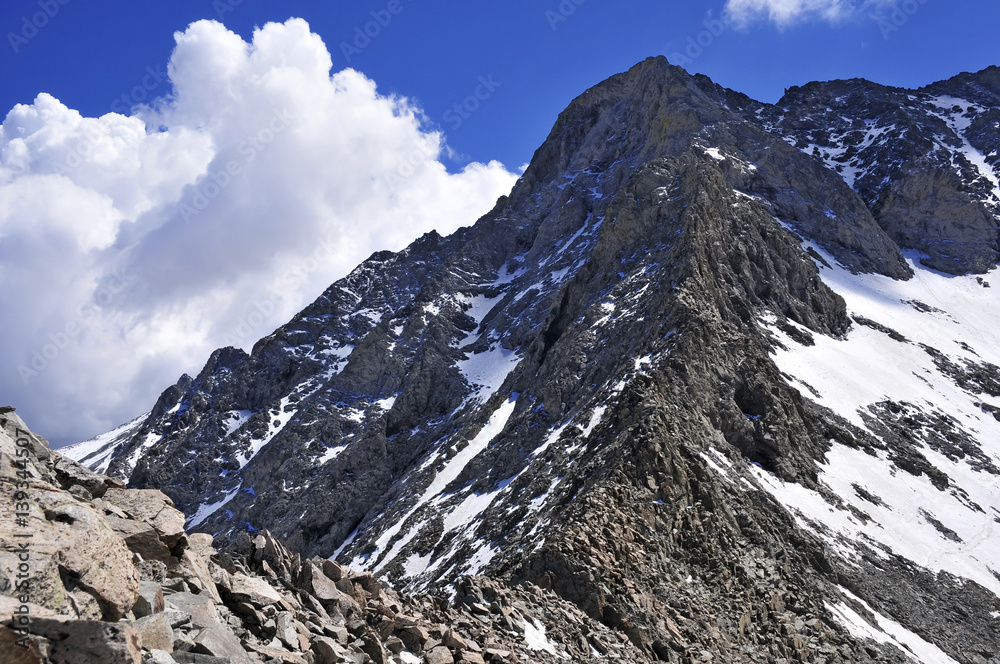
(690, 376)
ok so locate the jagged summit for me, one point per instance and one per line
(689, 375)
(924, 161)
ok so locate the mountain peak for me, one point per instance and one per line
(682, 377)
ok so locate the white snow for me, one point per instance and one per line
(535, 639)
(409, 658)
(887, 631)
(866, 367)
(340, 353)
(558, 276)
(96, 452)
(831, 155)
(551, 438)
(371, 314)
(715, 154)
(451, 470)
(476, 307)
(355, 415)
(346, 543)
(236, 419)
(595, 419)
(416, 564)
(488, 369)
(493, 428)
(208, 510)
(959, 123)
(841, 369)
(330, 454)
(387, 403)
(466, 512)
(278, 420)
(718, 462)
(481, 557)
(133, 459)
(573, 238)
(899, 523)
(537, 287)
(504, 276)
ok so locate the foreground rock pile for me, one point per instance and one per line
(94, 573)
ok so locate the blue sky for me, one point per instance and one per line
(435, 52)
(245, 168)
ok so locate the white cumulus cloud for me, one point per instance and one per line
(131, 247)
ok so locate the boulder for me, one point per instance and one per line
(81, 567)
(439, 655)
(201, 545)
(192, 568)
(270, 554)
(153, 507)
(149, 601)
(201, 608)
(325, 589)
(177, 618)
(333, 570)
(413, 637)
(186, 657)
(70, 473)
(60, 641)
(13, 427)
(140, 537)
(152, 570)
(156, 632)
(218, 641)
(285, 629)
(160, 657)
(372, 646)
(454, 641)
(277, 654)
(326, 650)
(394, 645)
(338, 632)
(221, 577)
(254, 590)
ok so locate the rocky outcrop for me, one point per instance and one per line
(59, 551)
(186, 603)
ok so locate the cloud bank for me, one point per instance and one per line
(131, 247)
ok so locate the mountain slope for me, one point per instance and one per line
(645, 380)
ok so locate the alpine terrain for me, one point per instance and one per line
(717, 381)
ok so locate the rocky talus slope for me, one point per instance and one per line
(691, 377)
(94, 573)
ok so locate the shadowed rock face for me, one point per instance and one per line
(580, 391)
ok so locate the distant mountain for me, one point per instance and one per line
(722, 374)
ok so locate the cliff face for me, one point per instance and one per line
(686, 377)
